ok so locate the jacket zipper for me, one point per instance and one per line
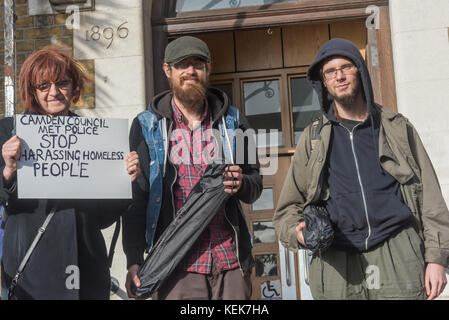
(351, 137)
(176, 174)
(236, 241)
(171, 191)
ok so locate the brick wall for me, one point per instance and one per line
(34, 33)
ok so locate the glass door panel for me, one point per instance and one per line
(262, 104)
(264, 232)
(305, 105)
(266, 265)
(265, 201)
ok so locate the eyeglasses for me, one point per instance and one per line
(63, 85)
(184, 64)
(347, 69)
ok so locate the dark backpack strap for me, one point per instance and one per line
(314, 132)
(114, 242)
(30, 250)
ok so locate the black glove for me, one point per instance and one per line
(318, 233)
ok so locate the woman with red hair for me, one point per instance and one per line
(70, 260)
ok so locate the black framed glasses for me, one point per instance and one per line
(346, 69)
(184, 64)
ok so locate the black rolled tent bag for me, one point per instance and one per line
(318, 233)
(206, 199)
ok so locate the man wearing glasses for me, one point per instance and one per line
(370, 170)
(173, 140)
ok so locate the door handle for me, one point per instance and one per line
(306, 266)
(288, 276)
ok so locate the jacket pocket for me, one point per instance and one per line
(416, 244)
(351, 212)
(386, 209)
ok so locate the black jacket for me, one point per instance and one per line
(72, 242)
(134, 220)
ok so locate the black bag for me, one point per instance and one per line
(206, 199)
(318, 233)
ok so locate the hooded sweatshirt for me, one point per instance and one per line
(365, 202)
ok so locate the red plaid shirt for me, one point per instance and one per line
(216, 244)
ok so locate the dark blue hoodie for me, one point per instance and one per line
(365, 204)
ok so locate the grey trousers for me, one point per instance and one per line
(227, 285)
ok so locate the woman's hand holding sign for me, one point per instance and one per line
(11, 152)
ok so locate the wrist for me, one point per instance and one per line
(133, 267)
(8, 173)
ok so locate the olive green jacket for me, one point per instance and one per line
(401, 153)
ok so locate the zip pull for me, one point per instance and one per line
(351, 132)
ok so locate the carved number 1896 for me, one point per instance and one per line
(96, 33)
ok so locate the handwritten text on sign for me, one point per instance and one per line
(72, 157)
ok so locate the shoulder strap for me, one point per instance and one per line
(114, 241)
(30, 250)
(314, 132)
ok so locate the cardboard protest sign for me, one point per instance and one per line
(72, 158)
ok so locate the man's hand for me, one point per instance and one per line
(132, 165)
(299, 234)
(132, 276)
(234, 172)
(11, 152)
(435, 280)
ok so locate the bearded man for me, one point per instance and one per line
(174, 140)
(370, 170)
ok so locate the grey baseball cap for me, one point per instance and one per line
(185, 47)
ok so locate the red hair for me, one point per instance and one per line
(49, 64)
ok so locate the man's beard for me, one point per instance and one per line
(346, 101)
(193, 96)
